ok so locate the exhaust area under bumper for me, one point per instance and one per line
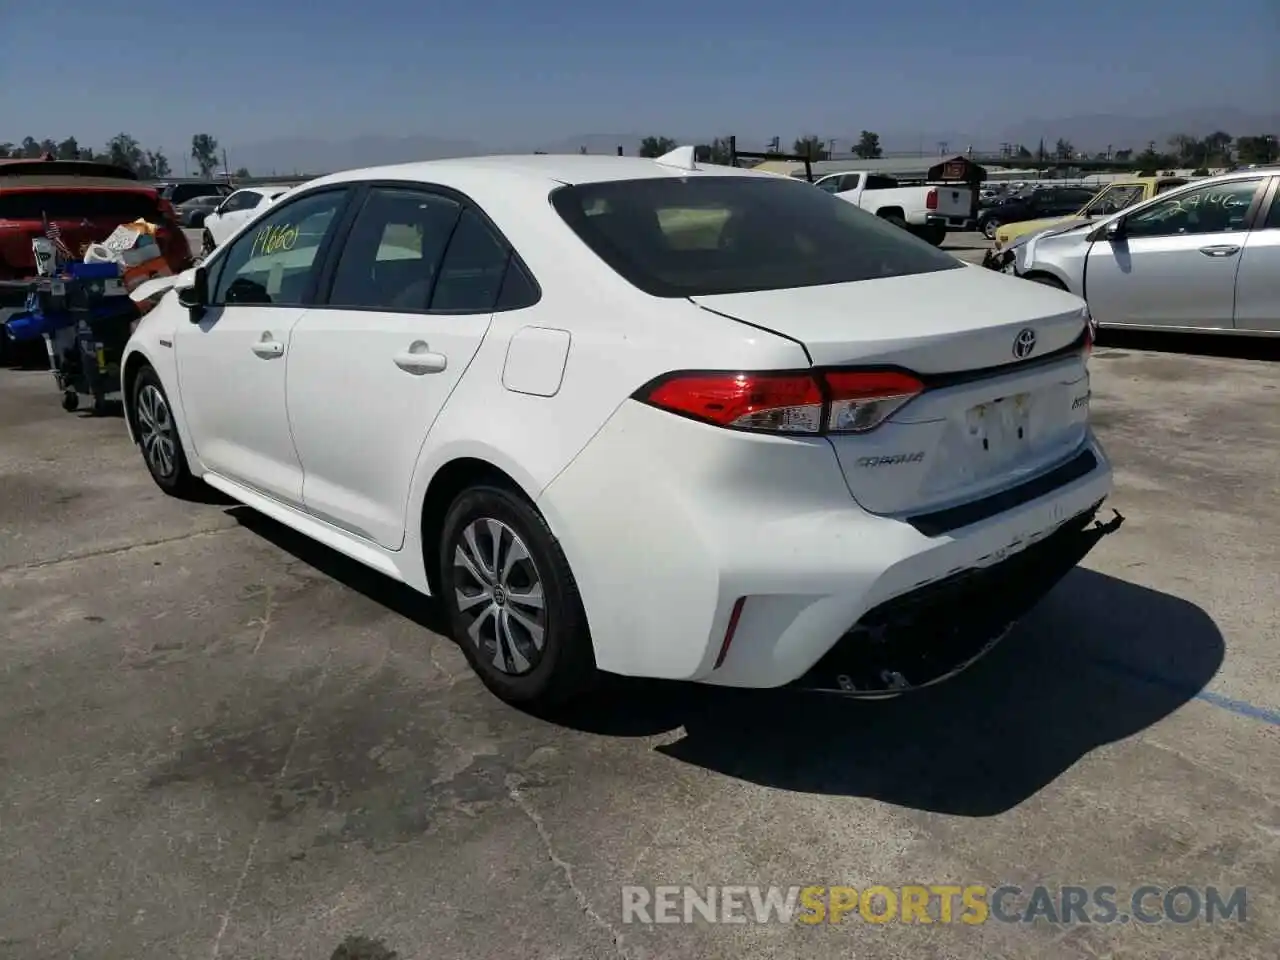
(932, 634)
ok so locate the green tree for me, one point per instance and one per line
(811, 146)
(868, 146)
(717, 151)
(1041, 156)
(7, 150)
(1217, 146)
(656, 146)
(30, 147)
(158, 164)
(242, 173)
(204, 151)
(124, 151)
(1063, 149)
(1257, 148)
(1149, 161)
(68, 149)
(1123, 156)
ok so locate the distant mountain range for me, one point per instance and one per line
(1088, 132)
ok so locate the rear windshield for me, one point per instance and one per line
(117, 205)
(697, 236)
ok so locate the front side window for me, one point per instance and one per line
(1215, 208)
(1114, 199)
(702, 235)
(275, 262)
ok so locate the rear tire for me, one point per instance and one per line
(512, 601)
(934, 235)
(206, 243)
(896, 220)
(158, 436)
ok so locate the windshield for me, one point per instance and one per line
(697, 236)
(1113, 199)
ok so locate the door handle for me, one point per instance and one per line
(268, 348)
(1222, 250)
(419, 359)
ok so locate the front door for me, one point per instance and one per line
(413, 292)
(1174, 263)
(231, 364)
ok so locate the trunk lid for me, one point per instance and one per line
(953, 201)
(987, 419)
(83, 215)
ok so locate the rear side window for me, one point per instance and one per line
(703, 235)
(390, 258)
(122, 205)
(473, 269)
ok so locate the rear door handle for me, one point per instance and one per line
(268, 348)
(1222, 250)
(420, 359)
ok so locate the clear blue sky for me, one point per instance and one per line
(511, 72)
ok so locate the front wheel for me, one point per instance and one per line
(158, 436)
(206, 242)
(512, 600)
(934, 234)
(989, 227)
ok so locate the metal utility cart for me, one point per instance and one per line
(85, 317)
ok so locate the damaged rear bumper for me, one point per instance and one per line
(926, 636)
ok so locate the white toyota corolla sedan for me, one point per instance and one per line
(639, 416)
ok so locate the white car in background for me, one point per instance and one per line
(235, 211)
(1203, 257)
(637, 416)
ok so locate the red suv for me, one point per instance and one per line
(87, 200)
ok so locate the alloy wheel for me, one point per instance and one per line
(499, 594)
(156, 433)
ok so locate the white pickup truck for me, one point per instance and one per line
(926, 210)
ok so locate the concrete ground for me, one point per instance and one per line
(217, 740)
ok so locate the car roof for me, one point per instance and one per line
(541, 169)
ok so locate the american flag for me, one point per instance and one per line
(54, 233)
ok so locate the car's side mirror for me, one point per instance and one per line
(196, 297)
(1110, 231)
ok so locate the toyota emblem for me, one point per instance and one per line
(1024, 343)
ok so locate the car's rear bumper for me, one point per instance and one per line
(930, 634)
(670, 526)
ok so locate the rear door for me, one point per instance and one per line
(1175, 263)
(1258, 279)
(412, 292)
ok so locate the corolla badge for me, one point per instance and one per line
(1024, 343)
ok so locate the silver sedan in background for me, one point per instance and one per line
(1203, 257)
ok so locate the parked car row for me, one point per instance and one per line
(1201, 256)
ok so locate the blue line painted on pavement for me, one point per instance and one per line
(1239, 707)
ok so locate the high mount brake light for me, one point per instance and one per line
(827, 401)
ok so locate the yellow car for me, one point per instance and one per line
(1114, 196)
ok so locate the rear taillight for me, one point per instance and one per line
(931, 200)
(827, 401)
